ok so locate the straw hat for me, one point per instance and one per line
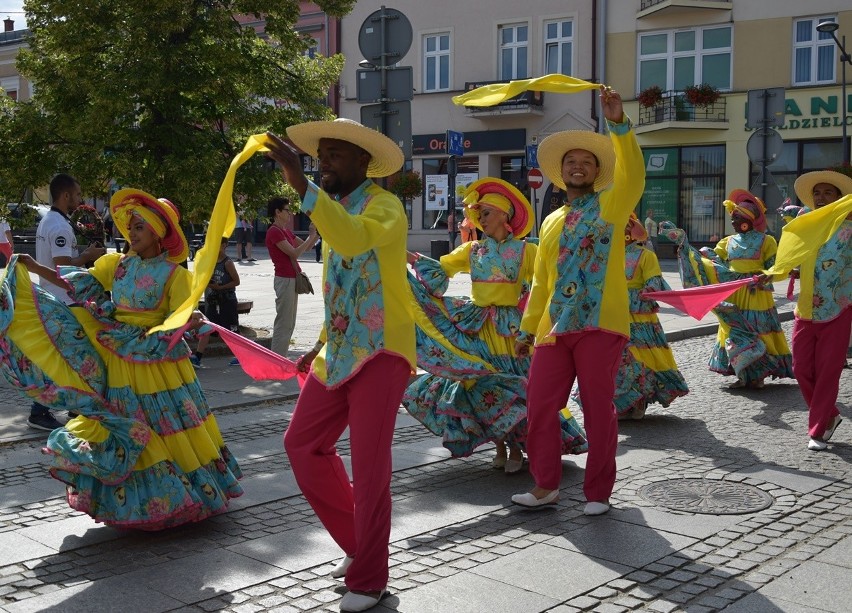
(503, 196)
(126, 202)
(386, 156)
(553, 148)
(805, 184)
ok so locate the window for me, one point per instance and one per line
(436, 182)
(813, 52)
(686, 185)
(797, 158)
(673, 60)
(513, 51)
(436, 62)
(558, 47)
(9, 86)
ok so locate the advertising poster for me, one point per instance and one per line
(437, 190)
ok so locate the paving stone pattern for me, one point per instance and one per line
(459, 543)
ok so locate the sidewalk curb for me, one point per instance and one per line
(708, 329)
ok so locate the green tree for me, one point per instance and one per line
(160, 94)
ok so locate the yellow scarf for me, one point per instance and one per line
(489, 95)
(222, 222)
(803, 236)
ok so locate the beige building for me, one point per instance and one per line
(697, 154)
(11, 41)
(457, 45)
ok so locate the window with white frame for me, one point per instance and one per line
(10, 86)
(558, 46)
(436, 62)
(813, 52)
(514, 45)
(679, 58)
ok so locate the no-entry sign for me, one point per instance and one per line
(534, 178)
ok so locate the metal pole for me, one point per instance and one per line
(384, 72)
(451, 200)
(844, 58)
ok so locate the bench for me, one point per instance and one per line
(244, 307)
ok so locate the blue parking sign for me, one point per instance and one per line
(455, 143)
(532, 156)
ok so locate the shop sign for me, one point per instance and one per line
(819, 112)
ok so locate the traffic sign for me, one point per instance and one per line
(534, 178)
(455, 143)
(766, 108)
(386, 27)
(399, 86)
(397, 123)
(764, 146)
(532, 156)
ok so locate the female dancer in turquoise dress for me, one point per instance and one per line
(750, 343)
(475, 389)
(648, 371)
(144, 451)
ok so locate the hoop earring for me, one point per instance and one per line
(743, 227)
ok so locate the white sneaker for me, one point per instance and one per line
(340, 570)
(829, 432)
(817, 445)
(360, 602)
(596, 508)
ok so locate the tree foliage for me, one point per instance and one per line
(160, 94)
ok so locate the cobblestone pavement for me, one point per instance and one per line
(457, 543)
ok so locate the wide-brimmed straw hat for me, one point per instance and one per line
(501, 195)
(553, 148)
(126, 202)
(386, 156)
(805, 184)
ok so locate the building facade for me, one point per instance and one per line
(456, 46)
(11, 42)
(697, 153)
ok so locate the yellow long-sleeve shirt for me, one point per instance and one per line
(588, 270)
(365, 287)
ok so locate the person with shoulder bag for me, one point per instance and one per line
(284, 249)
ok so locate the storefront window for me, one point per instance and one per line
(686, 185)
(437, 186)
(797, 157)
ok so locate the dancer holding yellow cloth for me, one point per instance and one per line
(818, 241)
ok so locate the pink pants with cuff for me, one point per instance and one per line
(819, 354)
(357, 515)
(592, 358)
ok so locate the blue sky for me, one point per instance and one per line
(15, 10)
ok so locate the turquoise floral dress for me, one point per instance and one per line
(475, 387)
(145, 450)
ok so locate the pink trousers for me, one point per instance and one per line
(357, 515)
(819, 354)
(592, 358)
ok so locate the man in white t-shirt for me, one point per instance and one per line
(56, 245)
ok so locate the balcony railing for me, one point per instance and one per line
(646, 4)
(525, 102)
(675, 107)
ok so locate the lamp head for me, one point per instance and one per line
(828, 27)
(366, 64)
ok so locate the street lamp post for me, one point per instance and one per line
(830, 27)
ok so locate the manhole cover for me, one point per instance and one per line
(706, 496)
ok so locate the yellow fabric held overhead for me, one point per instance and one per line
(222, 222)
(803, 236)
(489, 95)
